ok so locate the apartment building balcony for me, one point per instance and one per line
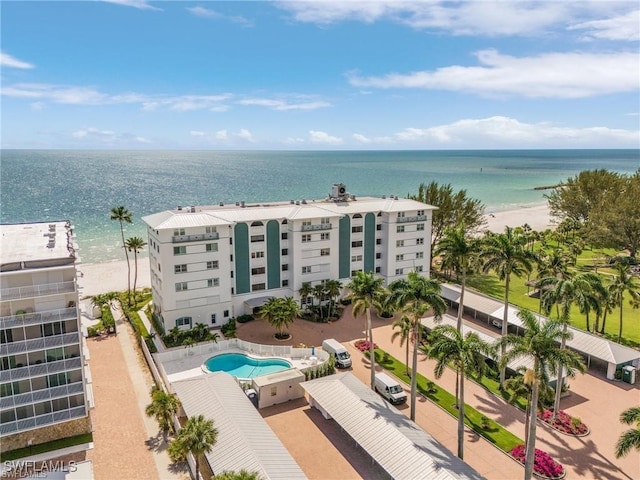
(415, 218)
(43, 420)
(22, 346)
(195, 238)
(318, 226)
(26, 319)
(40, 369)
(19, 293)
(42, 395)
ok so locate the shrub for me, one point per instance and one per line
(229, 328)
(543, 464)
(244, 318)
(364, 345)
(564, 422)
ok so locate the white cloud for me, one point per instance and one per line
(139, 4)
(108, 137)
(621, 27)
(283, 105)
(221, 135)
(316, 136)
(208, 13)
(361, 138)
(8, 61)
(244, 134)
(293, 140)
(551, 75)
(197, 133)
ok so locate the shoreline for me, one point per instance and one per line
(111, 276)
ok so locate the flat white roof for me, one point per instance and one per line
(244, 438)
(35, 242)
(397, 444)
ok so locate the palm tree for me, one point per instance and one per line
(540, 343)
(402, 330)
(622, 283)
(197, 437)
(280, 313)
(332, 288)
(364, 287)
(122, 215)
(467, 354)
(505, 253)
(163, 408)
(134, 244)
(200, 331)
(319, 292)
(305, 292)
(630, 438)
(459, 252)
(415, 296)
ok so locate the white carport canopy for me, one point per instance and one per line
(257, 302)
(244, 438)
(394, 442)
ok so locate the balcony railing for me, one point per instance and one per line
(41, 395)
(42, 420)
(195, 238)
(17, 293)
(317, 226)
(416, 218)
(15, 374)
(26, 319)
(53, 341)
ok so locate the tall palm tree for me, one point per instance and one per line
(540, 343)
(306, 290)
(624, 283)
(467, 355)
(333, 289)
(163, 408)
(134, 244)
(280, 313)
(319, 291)
(402, 330)
(415, 296)
(579, 289)
(364, 287)
(122, 215)
(630, 438)
(459, 251)
(505, 253)
(197, 437)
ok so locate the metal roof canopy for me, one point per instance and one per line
(257, 301)
(244, 438)
(397, 444)
(581, 341)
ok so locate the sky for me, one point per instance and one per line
(320, 75)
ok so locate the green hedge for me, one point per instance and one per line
(46, 447)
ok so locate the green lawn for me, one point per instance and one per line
(46, 447)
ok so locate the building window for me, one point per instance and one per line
(284, 236)
(257, 254)
(306, 223)
(356, 244)
(178, 232)
(378, 269)
(399, 243)
(378, 256)
(180, 250)
(212, 265)
(420, 212)
(379, 227)
(378, 241)
(285, 267)
(285, 283)
(399, 271)
(213, 282)
(181, 286)
(306, 269)
(325, 220)
(257, 238)
(225, 314)
(356, 258)
(230, 241)
(284, 252)
(400, 214)
(325, 252)
(213, 318)
(419, 241)
(357, 229)
(400, 229)
(182, 321)
(354, 272)
(212, 247)
(419, 268)
(231, 273)
(306, 238)
(399, 258)
(257, 271)
(325, 236)
(258, 286)
(420, 227)
(210, 229)
(180, 268)
(419, 254)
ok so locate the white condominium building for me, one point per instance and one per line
(210, 263)
(42, 380)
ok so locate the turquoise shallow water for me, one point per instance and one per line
(42, 185)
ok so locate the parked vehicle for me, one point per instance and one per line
(390, 389)
(338, 351)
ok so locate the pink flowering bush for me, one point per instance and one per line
(543, 464)
(565, 422)
(363, 345)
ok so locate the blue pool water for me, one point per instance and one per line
(243, 366)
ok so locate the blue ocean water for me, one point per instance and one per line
(43, 185)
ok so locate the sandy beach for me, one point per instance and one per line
(112, 276)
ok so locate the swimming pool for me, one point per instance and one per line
(243, 366)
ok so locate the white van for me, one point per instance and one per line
(390, 389)
(338, 351)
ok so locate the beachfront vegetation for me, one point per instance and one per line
(630, 439)
(364, 288)
(197, 437)
(280, 313)
(199, 333)
(239, 475)
(122, 216)
(454, 209)
(163, 408)
(135, 245)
